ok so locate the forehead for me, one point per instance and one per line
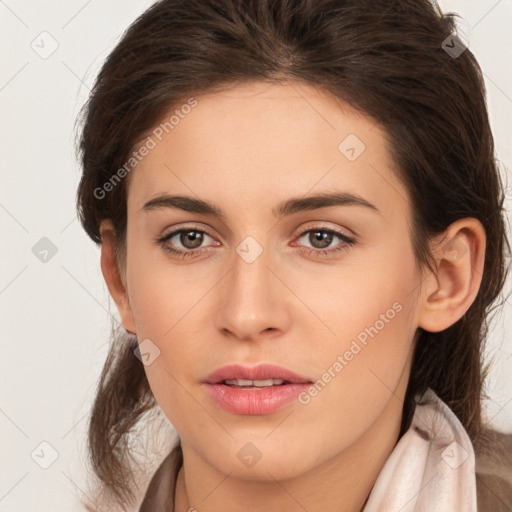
(258, 140)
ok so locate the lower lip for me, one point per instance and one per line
(254, 401)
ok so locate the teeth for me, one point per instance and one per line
(257, 383)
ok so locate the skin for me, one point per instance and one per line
(246, 150)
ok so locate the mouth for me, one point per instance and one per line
(258, 390)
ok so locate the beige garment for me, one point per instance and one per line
(431, 469)
(159, 495)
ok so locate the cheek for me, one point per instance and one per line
(371, 314)
(166, 317)
(370, 297)
(358, 374)
(160, 294)
(166, 306)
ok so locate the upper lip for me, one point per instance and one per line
(260, 372)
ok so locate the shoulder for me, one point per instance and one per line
(491, 452)
(160, 491)
(493, 470)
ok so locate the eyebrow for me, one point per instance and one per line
(284, 209)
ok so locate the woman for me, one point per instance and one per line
(300, 219)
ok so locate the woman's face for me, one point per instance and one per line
(269, 282)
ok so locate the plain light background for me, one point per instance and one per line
(55, 314)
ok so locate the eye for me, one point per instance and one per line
(321, 238)
(190, 240)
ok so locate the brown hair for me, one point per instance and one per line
(386, 59)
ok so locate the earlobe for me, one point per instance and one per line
(114, 282)
(448, 294)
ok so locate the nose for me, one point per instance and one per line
(253, 300)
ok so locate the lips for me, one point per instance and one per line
(260, 372)
(272, 387)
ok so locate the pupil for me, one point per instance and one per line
(191, 239)
(323, 237)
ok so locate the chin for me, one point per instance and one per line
(261, 464)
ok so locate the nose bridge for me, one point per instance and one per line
(249, 280)
(252, 302)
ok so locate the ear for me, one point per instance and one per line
(115, 283)
(446, 295)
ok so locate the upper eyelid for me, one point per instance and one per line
(309, 226)
(178, 230)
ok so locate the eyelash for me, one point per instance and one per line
(183, 254)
